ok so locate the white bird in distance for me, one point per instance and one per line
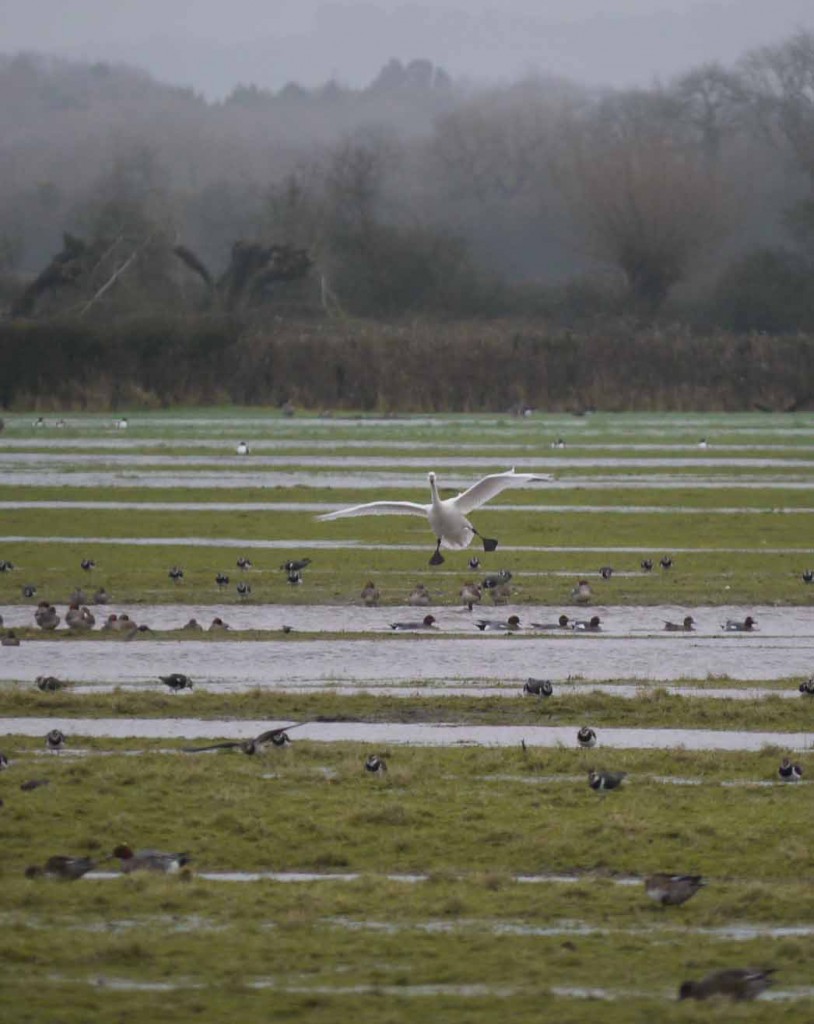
(447, 517)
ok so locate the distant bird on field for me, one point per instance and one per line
(370, 594)
(277, 738)
(49, 684)
(244, 589)
(149, 860)
(471, 594)
(605, 780)
(55, 740)
(222, 580)
(581, 594)
(101, 596)
(243, 563)
(672, 890)
(789, 772)
(474, 563)
(666, 562)
(177, 681)
(586, 737)
(176, 574)
(687, 626)
(193, 626)
(807, 687)
(294, 578)
(538, 687)
(647, 564)
(419, 596)
(496, 579)
(242, 448)
(67, 869)
(808, 576)
(6, 566)
(735, 626)
(447, 517)
(375, 764)
(296, 564)
(737, 983)
(28, 590)
(218, 625)
(87, 564)
(606, 572)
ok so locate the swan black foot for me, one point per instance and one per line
(489, 544)
(437, 557)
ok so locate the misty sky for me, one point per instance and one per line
(213, 45)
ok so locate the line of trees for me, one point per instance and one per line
(693, 199)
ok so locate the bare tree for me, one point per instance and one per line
(642, 192)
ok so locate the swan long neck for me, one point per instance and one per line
(434, 490)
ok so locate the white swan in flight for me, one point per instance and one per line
(447, 517)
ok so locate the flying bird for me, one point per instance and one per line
(276, 737)
(447, 516)
(737, 983)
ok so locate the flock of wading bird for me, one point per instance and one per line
(452, 529)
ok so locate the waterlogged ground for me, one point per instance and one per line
(479, 875)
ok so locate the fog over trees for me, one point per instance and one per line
(693, 199)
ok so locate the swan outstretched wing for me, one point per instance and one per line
(479, 493)
(378, 508)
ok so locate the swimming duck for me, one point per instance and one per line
(591, 625)
(177, 681)
(110, 622)
(586, 737)
(428, 622)
(561, 623)
(738, 983)
(55, 740)
(471, 594)
(734, 626)
(538, 687)
(646, 564)
(87, 564)
(49, 684)
(419, 596)
(605, 780)
(244, 589)
(447, 517)
(666, 562)
(375, 764)
(581, 594)
(149, 860)
(242, 448)
(296, 564)
(243, 563)
(789, 772)
(672, 890)
(222, 580)
(278, 738)
(46, 616)
(67, 869)
(218, 625)
(497, 625)
(370, 594)
(193, 626)
(176, 574)
(124, 624)
(10, 639)
(101, 596)
(687, 626)
(606, 572)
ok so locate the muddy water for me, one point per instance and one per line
(412, 735)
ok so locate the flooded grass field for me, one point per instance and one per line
(485, 806)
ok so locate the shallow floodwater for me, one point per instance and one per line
(411, 735)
